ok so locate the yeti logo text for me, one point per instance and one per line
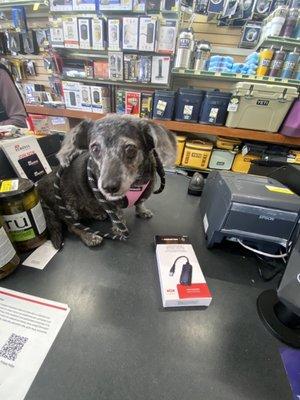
(266, 218)
(262, 102)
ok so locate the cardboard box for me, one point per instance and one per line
(145, 69)
(146, 104)
(59, 124)
(114, 33)
(115, 65)
(131, 67)
(100, 99)
(160, 69)
(98, 34)
(61, 5)
(115, 5)
(166, 38)
(101, 69)
(85, 98)
(132, 103)
(56, 32)
(84, 5)
(147, 33)
(85, 33)
(70, 28)
(72, 94)
(120, 101)
(182, 282)
(130, 33)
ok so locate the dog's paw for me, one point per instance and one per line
(57, 239)
(144, 213)
(91, 239)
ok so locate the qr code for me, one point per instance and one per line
(12, 347)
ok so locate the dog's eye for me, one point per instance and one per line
(130, 151)
(95, 148)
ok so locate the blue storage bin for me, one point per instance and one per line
(188, 104)
(214, 108)
(163, 105)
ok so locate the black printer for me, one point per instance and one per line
(251, 209)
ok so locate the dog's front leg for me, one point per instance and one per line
(89, 239)
(142, 212)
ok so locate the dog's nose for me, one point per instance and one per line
(111, 187)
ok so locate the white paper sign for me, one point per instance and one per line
(41, 256)
(28, 327)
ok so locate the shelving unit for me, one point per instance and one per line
(5, 5)
(184, 127)
(226, 76)
(279, 41)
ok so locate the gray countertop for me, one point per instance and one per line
(118, 343)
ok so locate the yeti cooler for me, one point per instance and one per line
(227, 143)
(214, 108)
(221, 159)
(180, 147)
(291, 125)
(242, 163)
(196, 154)
(260, 106)
(163, 106)
(188, 104)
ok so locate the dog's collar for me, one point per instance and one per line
(135, 193)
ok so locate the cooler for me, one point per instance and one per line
(196, 154)
(180, 148)
(221, 159)
(163, 105)
(291, 125)
(214, 108)
(227, 143)
(242, 163)
(260, 106)
(188, 104)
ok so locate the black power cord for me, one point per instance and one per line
(186, 272)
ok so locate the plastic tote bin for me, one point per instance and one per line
(242, 163)
(260, 106)
(163, 105)
(196, 154)
(180, 148)
(214, 108)
(291, 125)
(221, 159)
(188, 104)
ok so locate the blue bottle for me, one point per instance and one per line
(290, 64)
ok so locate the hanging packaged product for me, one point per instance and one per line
(147, 33)
(250, 35)
(130, 33)
(114, 33)
(265, 57)
(120, 101)
(22, 213)
(277, 62)
(146, 105)
(185, 48)
(166, 40)
(8, 256)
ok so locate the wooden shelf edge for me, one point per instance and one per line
(176, 126)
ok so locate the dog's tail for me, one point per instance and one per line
(54, 226)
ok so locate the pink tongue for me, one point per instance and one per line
(134, 194)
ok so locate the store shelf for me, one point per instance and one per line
(226, 76)
(278, 41)
(136, 85)
(183, 127)
(5, 5)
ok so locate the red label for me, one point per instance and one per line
(195, 290)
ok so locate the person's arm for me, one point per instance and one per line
(11, 102)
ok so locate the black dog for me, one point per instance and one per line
(120, 149)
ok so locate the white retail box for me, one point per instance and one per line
(84, 5)
(182, 282)
(98, 34)
(85, 33)
(130, 33)
(71, 32)
(72, 94)
(85, 98)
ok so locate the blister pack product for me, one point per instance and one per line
(115, 65)
(147, 33)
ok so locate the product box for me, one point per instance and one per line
(120, 101)
(131, 67)
(139, 6)
(18, 15)
(180, 148)
(84, 5)
(70, 28)
(72, 94)
(59, 124)
(101, 69)
(26, 157)
(146, 104)
(132, 103)
(115, 5)
(61, 5)
(182, 282)
(100, 99)
(85, 98)
(147, 33)
(114, 33)
(170, 5)
(115, 65)
(145, 66)
(85, 33)
(98, 34)
(40, 124)
(130, 33)
(152, 5)
(160, 69)
(166, 38)
(56, 32)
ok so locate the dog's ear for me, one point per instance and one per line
(75, 142)
(161, 139)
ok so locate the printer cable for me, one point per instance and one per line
(172, 270)
(261, 252)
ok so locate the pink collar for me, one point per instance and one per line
(135, 193)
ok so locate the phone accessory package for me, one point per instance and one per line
(182, 282)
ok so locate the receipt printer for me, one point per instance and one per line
(254, 209)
